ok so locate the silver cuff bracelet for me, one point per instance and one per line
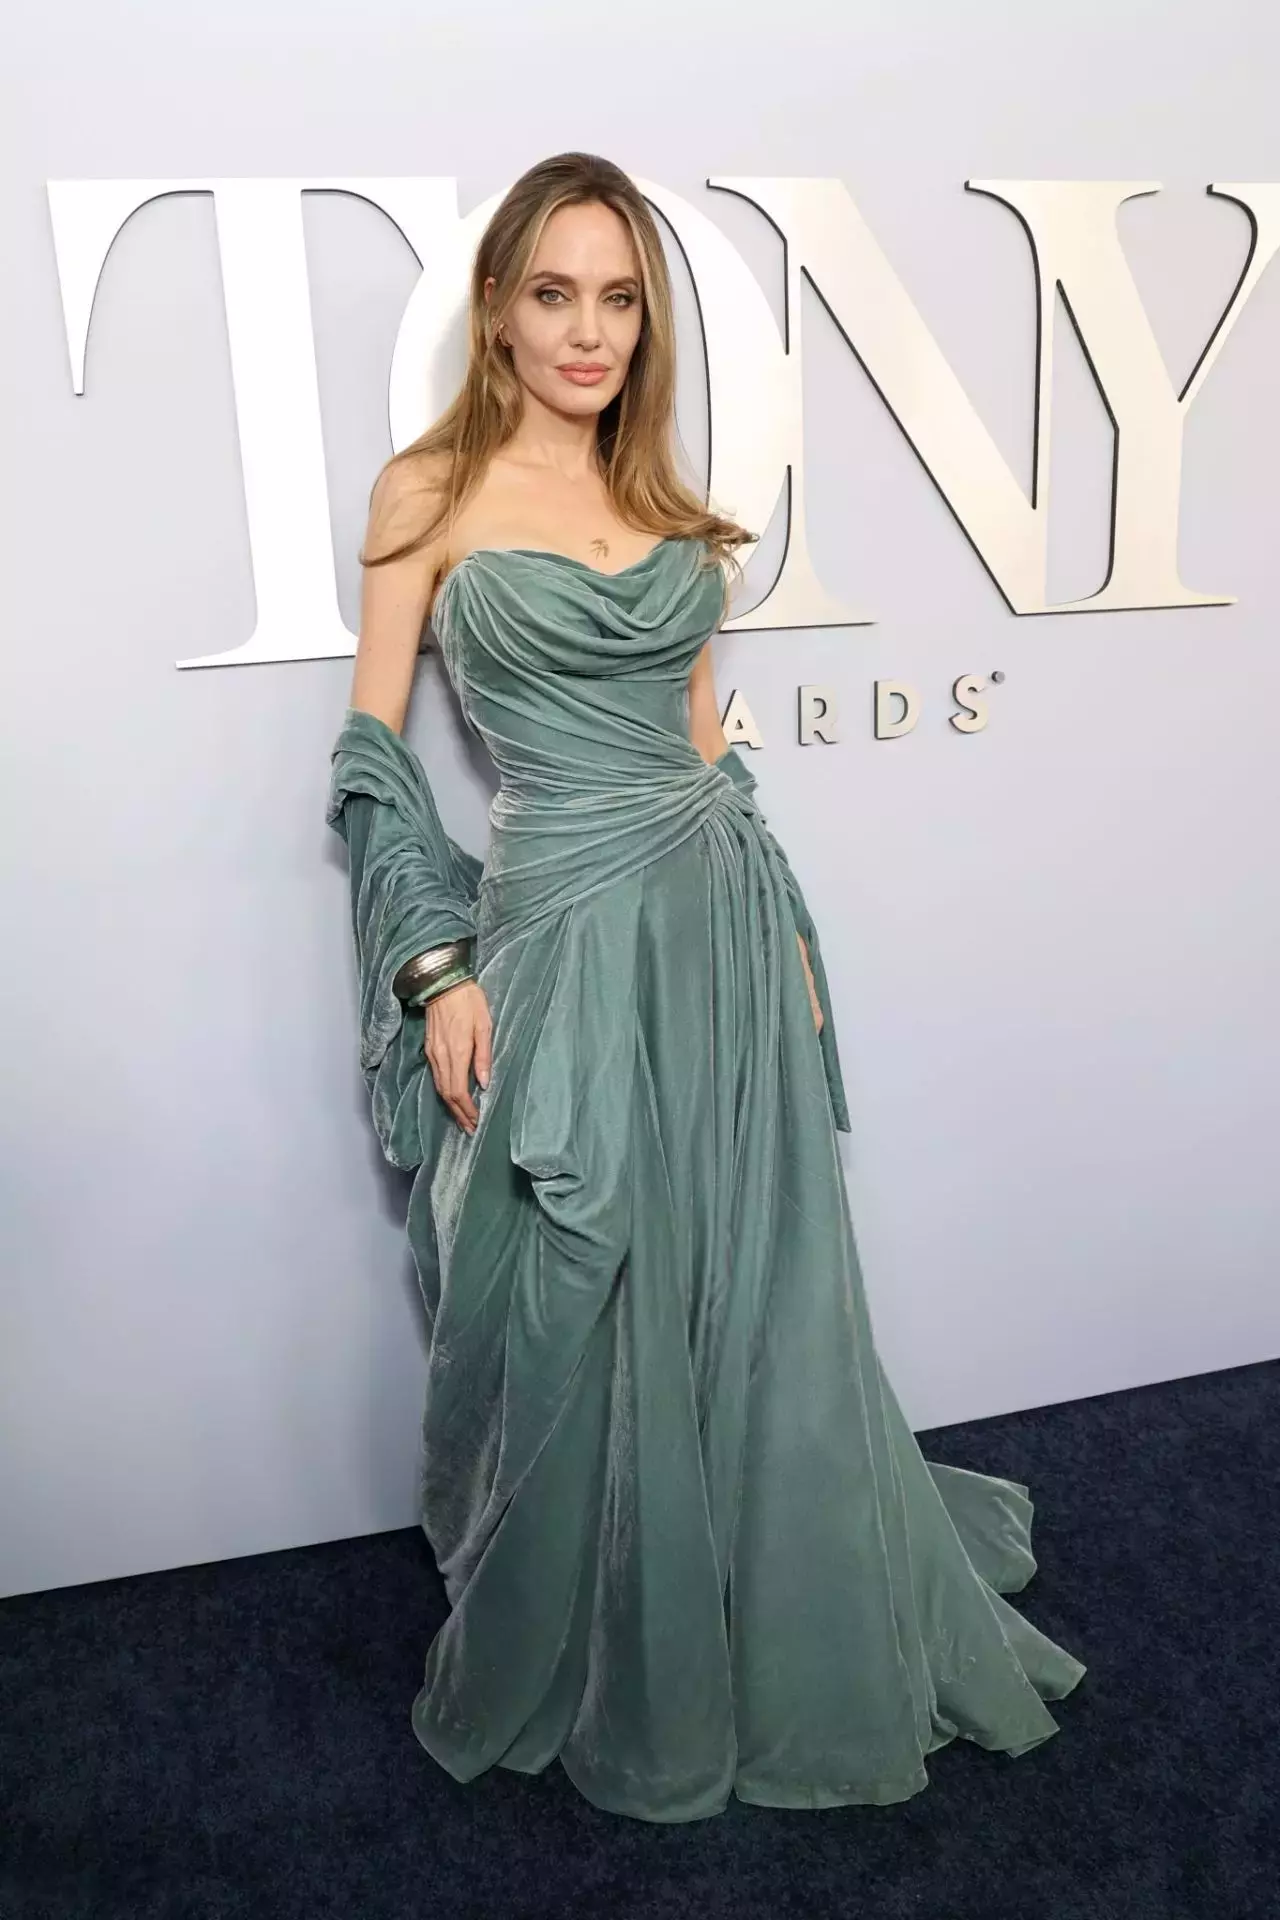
(423, 968)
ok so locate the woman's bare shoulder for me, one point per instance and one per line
(406, 497)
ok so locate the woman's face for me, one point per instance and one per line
(574, 323)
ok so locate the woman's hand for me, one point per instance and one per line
(813, 992)
(459, 1032)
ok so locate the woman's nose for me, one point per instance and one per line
(586, 330)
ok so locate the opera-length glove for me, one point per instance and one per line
(739, 772)
(412, 888)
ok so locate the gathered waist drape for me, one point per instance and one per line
(555, 843)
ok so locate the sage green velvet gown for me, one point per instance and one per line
(690, 1543)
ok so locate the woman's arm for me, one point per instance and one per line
(395, 598)
(707, 735)
(705, 730)
(413, 889)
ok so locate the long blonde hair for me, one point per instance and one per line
(635, 432)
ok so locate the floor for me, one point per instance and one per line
(233, 1739)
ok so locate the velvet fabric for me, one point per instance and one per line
(689, 1541)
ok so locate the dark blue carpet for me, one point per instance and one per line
(233, 1739)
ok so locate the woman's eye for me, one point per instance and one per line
(551, 296)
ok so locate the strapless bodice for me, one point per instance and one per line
(554, 661)
(577, 682)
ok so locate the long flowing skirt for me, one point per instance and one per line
(690, 1543)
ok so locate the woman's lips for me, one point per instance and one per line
(583, 376)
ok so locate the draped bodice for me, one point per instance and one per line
(553, 659)
(577, 682)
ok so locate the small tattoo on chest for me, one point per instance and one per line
(601, 547)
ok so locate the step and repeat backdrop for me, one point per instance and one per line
(978, 324)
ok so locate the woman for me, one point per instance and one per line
(689, 1541)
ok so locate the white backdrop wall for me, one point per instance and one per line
(1053, 944)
